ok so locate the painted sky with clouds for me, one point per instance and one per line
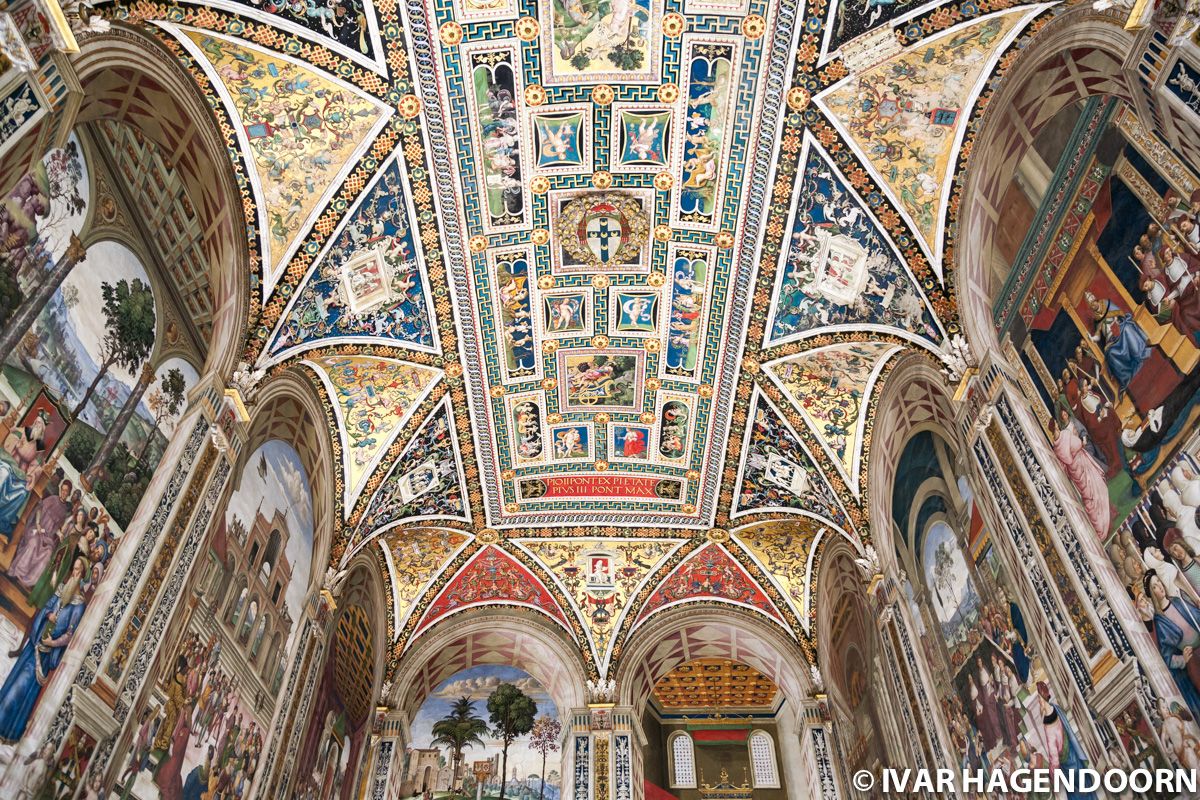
(477, 683)
(285, 488)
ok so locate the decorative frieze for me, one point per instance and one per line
(622, 768)
(582, 768)
(316, 656)
(1065, 532)
(141, 608)
(148, 649)
(167, 503)
(904, 699)
(1047, 601)
(383, 765)
(829, 789)
(601, 760)
(922, 696)
(1031, 261)
(283, 713)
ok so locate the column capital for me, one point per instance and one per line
(245, 382)
(816, 710)
(977, 393)
(601, 691)
(870, 567)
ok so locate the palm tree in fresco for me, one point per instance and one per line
(458, 730)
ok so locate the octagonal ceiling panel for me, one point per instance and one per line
(604, 181)
(838, 268)
(348, 27)
(492, 578)
(710, 574)
(526, 234)
(787, 554)
(848, 20)
(424, 483)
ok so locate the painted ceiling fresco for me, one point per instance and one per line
(600, 294)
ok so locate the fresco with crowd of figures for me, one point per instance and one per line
(62, 512)
(993, 686)
(219, 684)
(1111, 351)
(92, 339)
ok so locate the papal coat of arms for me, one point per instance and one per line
(603, 230)
(839, 268)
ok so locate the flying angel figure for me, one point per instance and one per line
(643, 143)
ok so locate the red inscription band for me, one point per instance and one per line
(600, 486)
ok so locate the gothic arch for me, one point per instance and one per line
(842, 593)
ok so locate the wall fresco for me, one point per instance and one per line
(529, 767)
(219, 678)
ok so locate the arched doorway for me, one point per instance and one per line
(490, 659)
(708, 689)
(426, 778)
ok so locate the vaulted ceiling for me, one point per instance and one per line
(601, 293)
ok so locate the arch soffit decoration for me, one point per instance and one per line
(361, 592)
(111, 217)
(1048, 77)
(915, 399)
(131, 79)
(498, 636)
(843, 598)
(97, 228)
(786, 599)
(682, 635)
